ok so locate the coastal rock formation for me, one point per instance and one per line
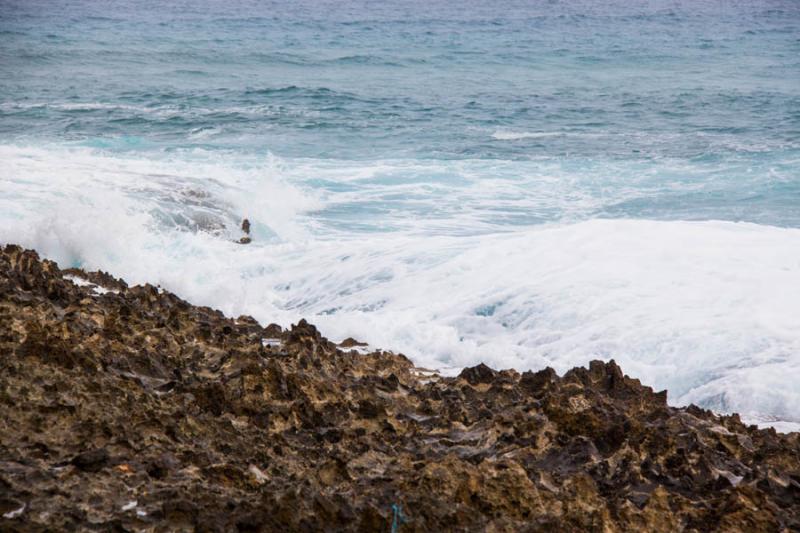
(126, 408)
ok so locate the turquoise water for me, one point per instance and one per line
(521, 183)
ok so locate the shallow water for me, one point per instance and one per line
(536, 184)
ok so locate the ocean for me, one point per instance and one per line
(524, 184)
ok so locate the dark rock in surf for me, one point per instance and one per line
(350, 342)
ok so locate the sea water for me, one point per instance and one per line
(526, 184)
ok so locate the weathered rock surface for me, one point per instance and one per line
(126, 408)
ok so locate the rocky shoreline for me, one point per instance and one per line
(128, 409)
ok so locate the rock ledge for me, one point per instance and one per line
(126, 408)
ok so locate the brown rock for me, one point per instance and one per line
(135, 410)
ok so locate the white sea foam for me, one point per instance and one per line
(765, 421)
(68, 106)
(503, 135)
(162, 110)
(707, 310)
(203, 133)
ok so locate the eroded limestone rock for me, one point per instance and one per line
(130, 409)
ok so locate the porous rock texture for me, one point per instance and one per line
(128, 409)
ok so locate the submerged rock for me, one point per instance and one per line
(133, 410)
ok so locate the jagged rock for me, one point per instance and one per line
(350, 342)
(130, 409)
(478, 374)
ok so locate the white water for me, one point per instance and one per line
(709, 310)
(504, 135)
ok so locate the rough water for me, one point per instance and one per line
(525, 184)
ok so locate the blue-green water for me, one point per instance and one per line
(523, 183)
